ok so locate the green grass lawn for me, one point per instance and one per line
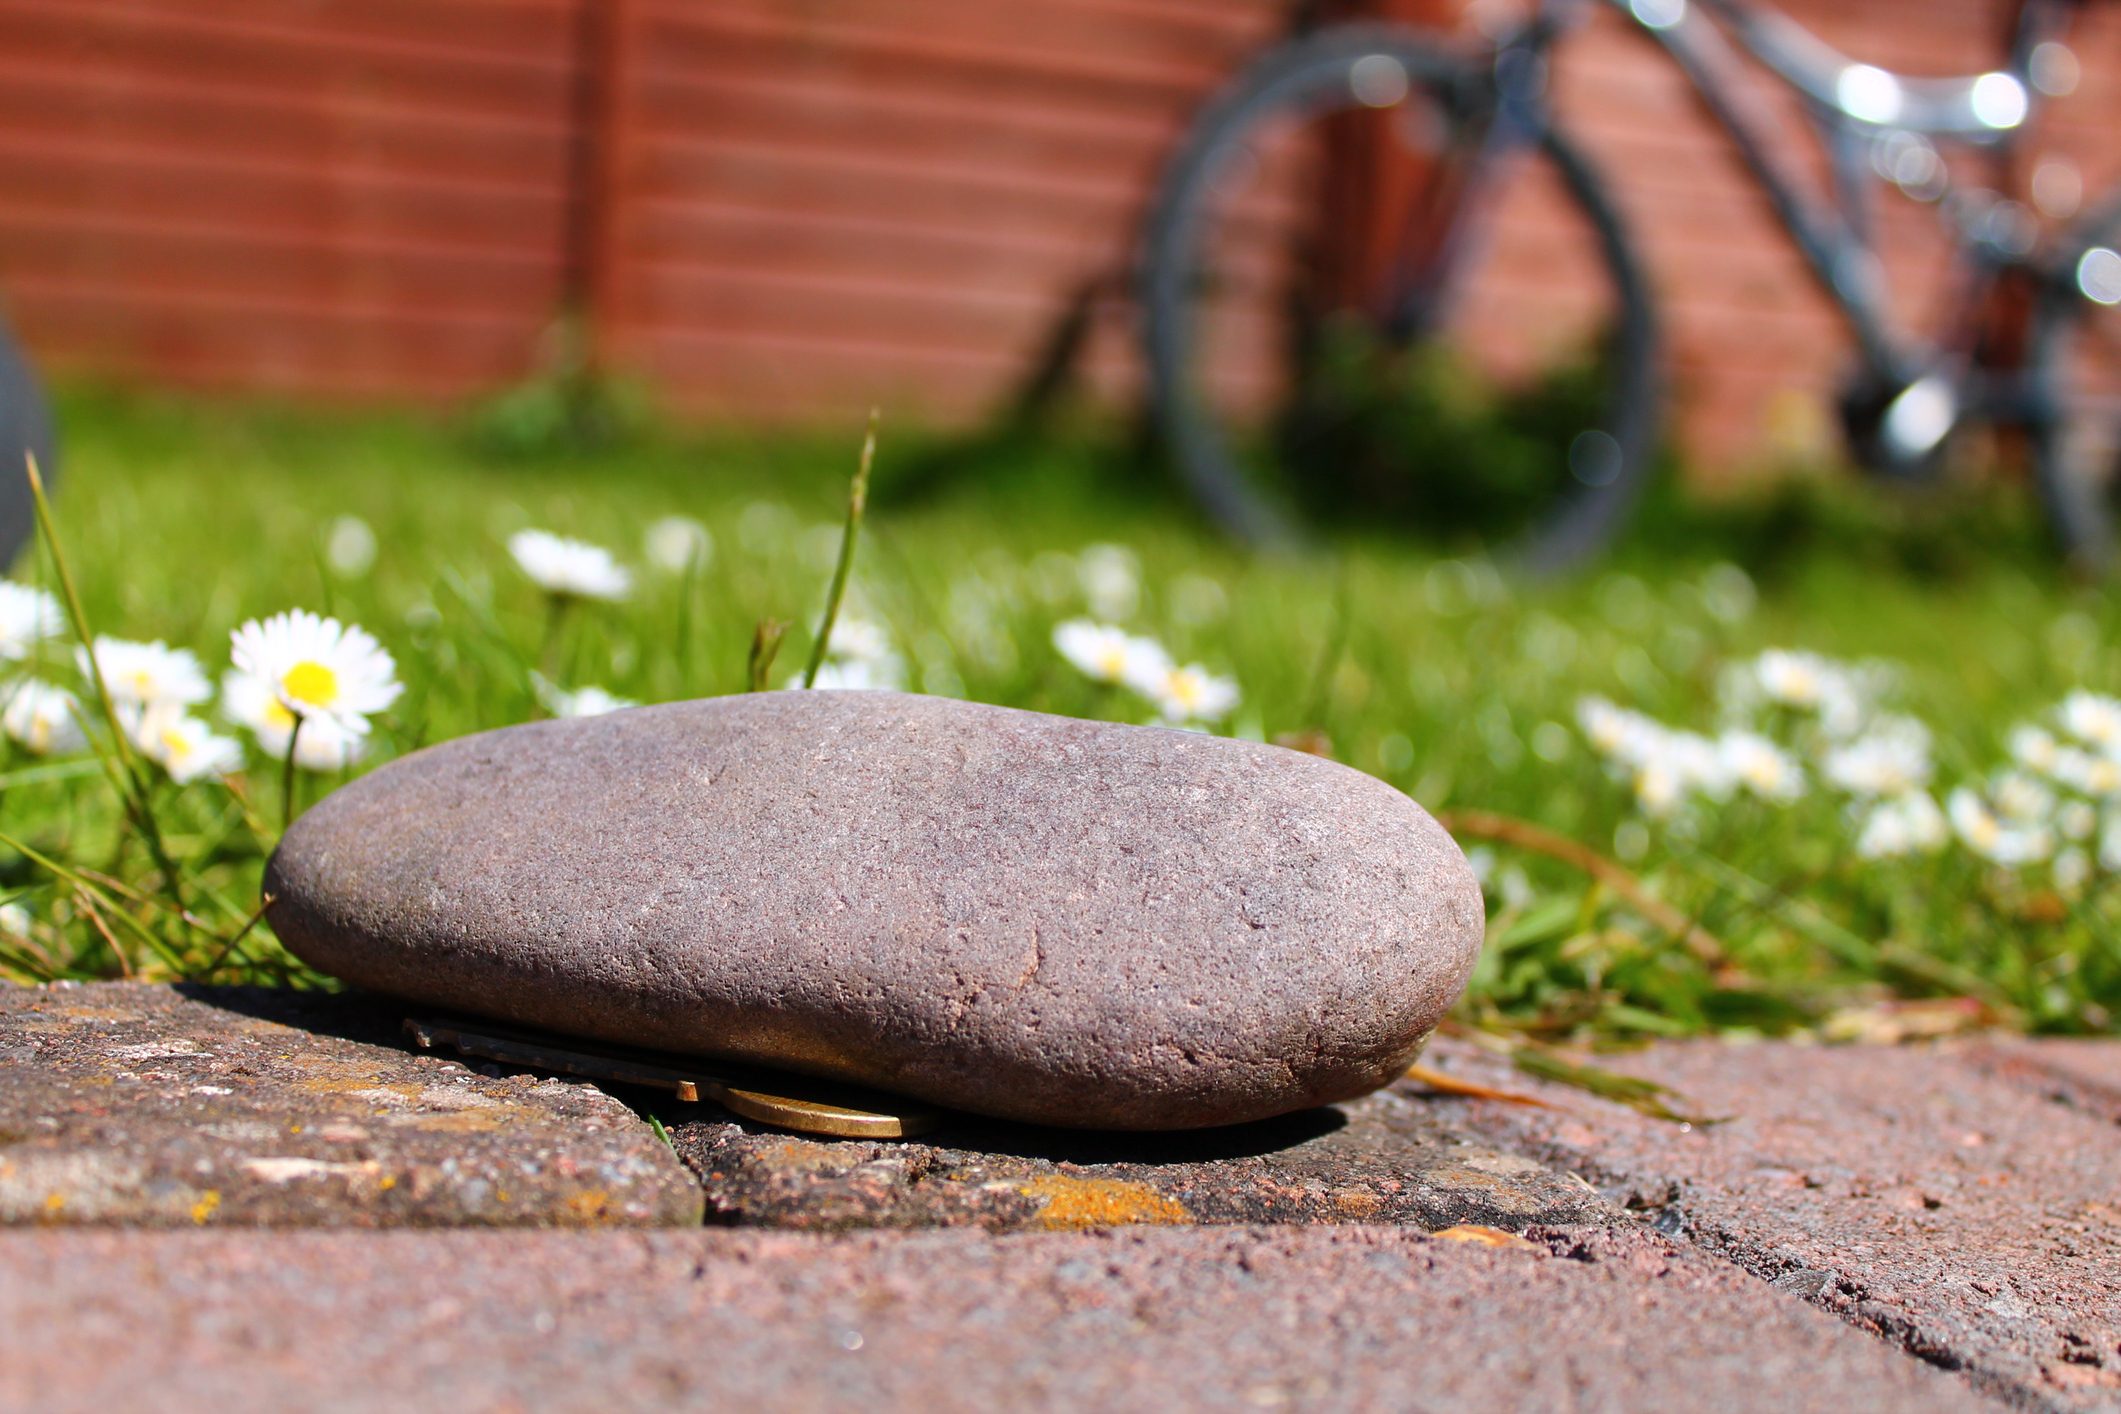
(180, 522)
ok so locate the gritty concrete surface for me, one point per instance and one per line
(1960, 1200)
(1385, 1158)
(1046, 920)
(1143, 1319)
(149, 1106)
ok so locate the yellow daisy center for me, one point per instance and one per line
(175, 744)
(312, 682)
(1112, 662)
(1185, 688)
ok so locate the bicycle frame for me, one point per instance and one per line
(1854, 106)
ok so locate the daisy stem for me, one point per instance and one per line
(287, 778)
(549, 651)
(234, 940)
(857, 501)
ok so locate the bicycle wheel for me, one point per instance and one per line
(1358, 306)
(2075, 369)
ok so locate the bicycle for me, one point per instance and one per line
(1321, 222)
(25, 428)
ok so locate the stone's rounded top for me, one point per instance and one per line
(1026, 916)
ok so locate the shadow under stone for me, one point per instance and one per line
(347, 1016)
(1180, 1146)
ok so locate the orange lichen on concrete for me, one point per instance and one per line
(1485, 1237)
(590, 1206)
(1072, 1203)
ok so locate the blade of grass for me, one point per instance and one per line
(857, 502)
(1857, 952)
(138, 805)
(95, 920)
(55, 771)
(234, 941)
(76, 879)
(17, 960)
(765, 647)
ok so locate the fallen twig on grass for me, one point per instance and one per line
(1523, 834)
(1445, 1083)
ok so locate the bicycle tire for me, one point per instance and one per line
(1309, 71)
(2076, 439)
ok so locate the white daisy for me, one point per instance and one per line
(572, 569)
(1658, 788)
(2093, 719)
(1106, 653)
(1760, 766)
(42, 718)
(1110, 576)
(1701, 764)
(2034, 748)
(1792, 678)
(858, 640)
(2110, 841)
(181, 744)
(1981, 830)
(318, 669)
(15, 920)
(350, 547)
(583, 701)
(148, 674)
(1806, 682)
(26, 616)
(1902, 825)
(1892, 758)
(250, 702)
(2086, 772)
(2072, 871)
(1188, 694)
(856, 675)
(325, 743)
(676, 544)
(2020, 798)
(1618, 733)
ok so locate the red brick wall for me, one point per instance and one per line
(355, 197)
(799, 207)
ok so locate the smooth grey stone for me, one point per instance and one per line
(1026, 916)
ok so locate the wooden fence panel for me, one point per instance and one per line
(336, 198)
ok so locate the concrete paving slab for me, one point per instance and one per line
(152, 1106)
(1141, 1319)
(1962, 1200)
(2079, 1074)
(1383, 1158)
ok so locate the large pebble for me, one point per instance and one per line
(1026, 916)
